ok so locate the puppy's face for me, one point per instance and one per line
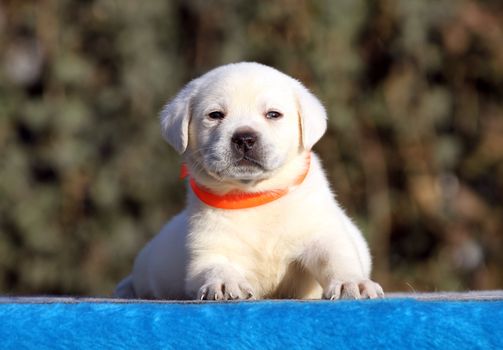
(242, 122)
(243, 126)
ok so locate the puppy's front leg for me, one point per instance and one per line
(341, 269)
(218, 281)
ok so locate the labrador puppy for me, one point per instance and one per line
(261, 220)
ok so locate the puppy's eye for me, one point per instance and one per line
(216, 115)
(273, 115)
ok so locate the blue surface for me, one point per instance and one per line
(388, 323)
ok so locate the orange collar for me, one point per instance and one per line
(241, 200)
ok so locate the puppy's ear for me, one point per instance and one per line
(175, 118)
(313, 117)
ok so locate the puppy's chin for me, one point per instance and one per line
(244, 170)
(243, 173)
(233, 174)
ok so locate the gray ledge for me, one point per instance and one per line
(488, 295)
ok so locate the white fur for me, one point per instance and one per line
(302, 245)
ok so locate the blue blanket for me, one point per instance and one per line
(396, 323)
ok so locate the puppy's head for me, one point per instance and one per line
(242, 122)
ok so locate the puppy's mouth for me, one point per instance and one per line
(244, 169)
(247, 161)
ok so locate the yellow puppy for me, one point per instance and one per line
(261, 221)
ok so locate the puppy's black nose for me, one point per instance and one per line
(244, 140)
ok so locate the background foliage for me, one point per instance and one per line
(414, 89)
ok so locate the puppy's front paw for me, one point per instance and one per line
(363, 289)
(225, 290)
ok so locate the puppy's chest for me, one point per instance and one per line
(265, 225)
(268, 244)
(265, 240)
(279, 226)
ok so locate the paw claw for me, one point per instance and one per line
(225, 291)
(202, 294)
(356, 289)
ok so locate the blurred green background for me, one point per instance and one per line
(414, 151)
